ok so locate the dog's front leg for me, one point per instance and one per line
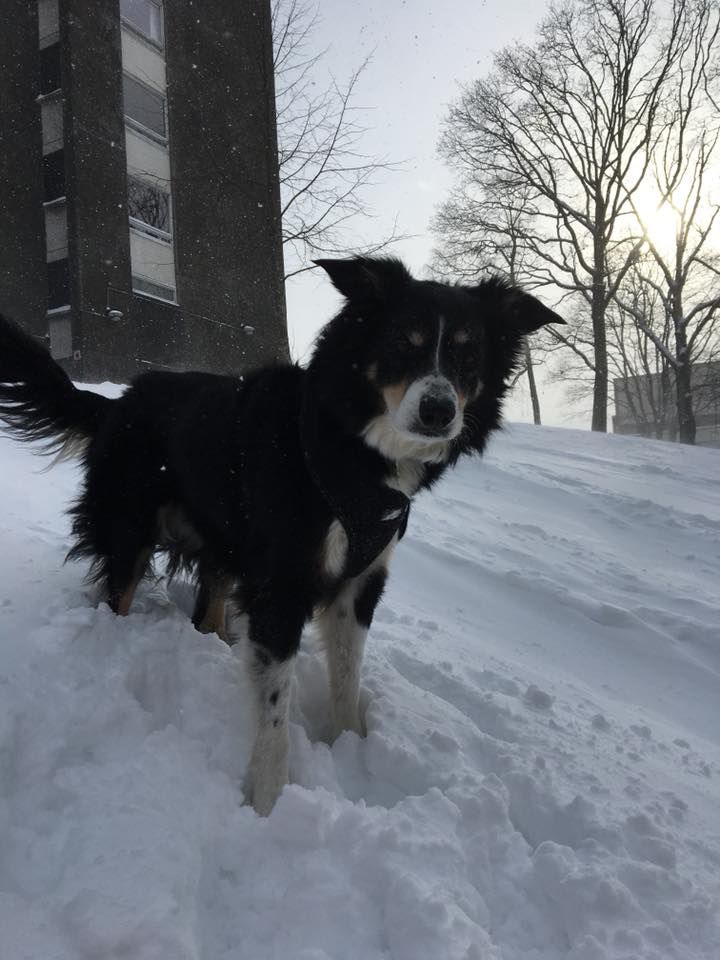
(274, 638)
(343, 629)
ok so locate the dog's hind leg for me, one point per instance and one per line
(121, 590)
(209, 612)
(120, 544)
(275, 629)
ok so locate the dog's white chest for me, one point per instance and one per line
(407, 477)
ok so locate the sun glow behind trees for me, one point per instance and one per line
(692, 207)
(602, 134)
(657, 218)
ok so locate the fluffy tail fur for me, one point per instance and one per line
(38, 401)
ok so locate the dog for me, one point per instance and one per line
(285, 490)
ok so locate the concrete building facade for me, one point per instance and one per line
(645, 405)
(139, 194)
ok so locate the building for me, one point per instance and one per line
(645, 405)
(139, 195)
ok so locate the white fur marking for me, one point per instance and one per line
(408, 477)
(344, 641)
(441, 330)
(382, 435)
(335, 549)
(268, 770)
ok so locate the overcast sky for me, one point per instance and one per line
(422, 53)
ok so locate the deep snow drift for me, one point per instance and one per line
(541, 775)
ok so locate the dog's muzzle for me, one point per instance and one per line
(436, 413)
(434, 406)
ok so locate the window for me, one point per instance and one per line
(51, 113)
(152, 263)
(48, 22)
(58, 284)
(149, 208)
(50, 69)
(56, 244)
(60, 329)
(145, 16)
(144, 107)
(152, 289)
(54, 175)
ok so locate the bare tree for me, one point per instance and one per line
(574, 117)
(481, 227)
(639, 363)
(685, 168)
(323, 171)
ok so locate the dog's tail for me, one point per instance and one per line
(38, 401)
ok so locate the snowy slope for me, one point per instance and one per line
(541, 775)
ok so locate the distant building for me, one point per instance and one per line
(139, 195)
(645, 405)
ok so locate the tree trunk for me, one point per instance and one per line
(531, 383)
(685, 411)
(597, 310)
(664, 402)
(683, 370)
(600, 389)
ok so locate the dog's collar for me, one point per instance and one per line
(350, 476)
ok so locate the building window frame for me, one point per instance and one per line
(50, 69)
(54, 183)
(52, 103)
(142, 226)
(56, 232)
(138, 125)
(58, 279)
(157, 41)
(148, 230)
(48, 23)
(139, 292)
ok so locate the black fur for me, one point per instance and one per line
(220, 473)
(37, 399)
(369, 597)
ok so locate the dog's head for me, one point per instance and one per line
(419, 368)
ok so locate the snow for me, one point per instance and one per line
(541, 775)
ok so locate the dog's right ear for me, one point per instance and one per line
(366, 278)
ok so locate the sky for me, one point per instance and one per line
(422, 54)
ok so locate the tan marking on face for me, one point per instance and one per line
(462, 399)
(416, 338)
(372, 372)
(461, 336)
(393, 395)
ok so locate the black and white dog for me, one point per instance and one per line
(285, 491)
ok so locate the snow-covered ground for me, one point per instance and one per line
(541, 775)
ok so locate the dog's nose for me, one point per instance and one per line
(436, 412)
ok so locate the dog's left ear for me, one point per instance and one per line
(518, 309)
(366, 278)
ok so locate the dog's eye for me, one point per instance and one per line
(409, 339)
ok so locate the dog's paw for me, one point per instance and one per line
(263, 784)
(354, 723)
(262, 801)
